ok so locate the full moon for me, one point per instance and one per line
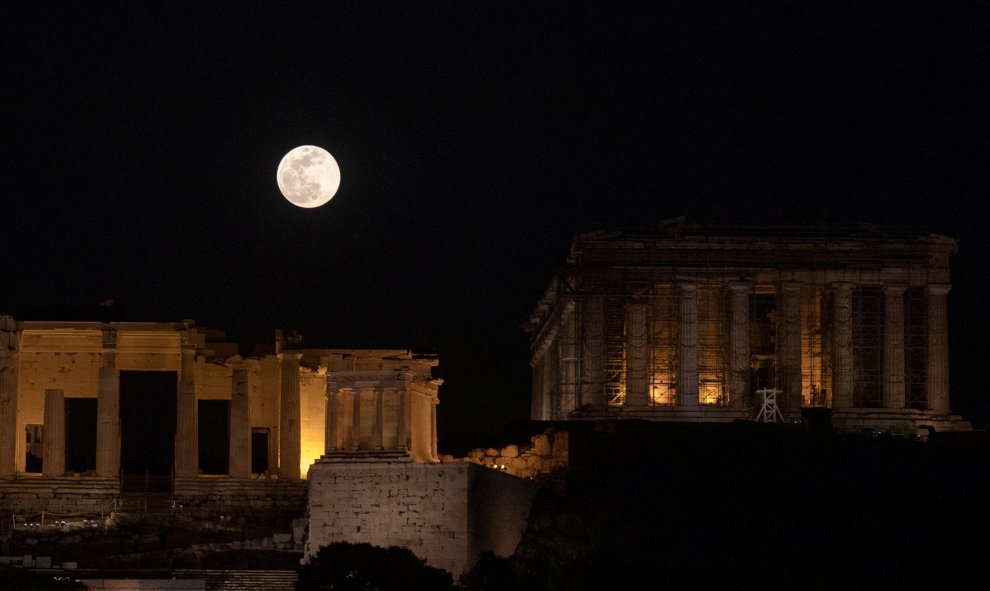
(308, 176)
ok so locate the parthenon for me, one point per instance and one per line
(695, 322)
(284, 408)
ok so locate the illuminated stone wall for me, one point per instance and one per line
(397, 409)
(447, 514)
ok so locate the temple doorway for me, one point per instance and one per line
(80, 436)
(147, 430)
(214, 436)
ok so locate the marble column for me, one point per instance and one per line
(8, 398)
(187, 418)
(938, 347)
(53, 444)
(593, 351)
(687, 386)
(108, 418)
(739, 351)
(401, 430)
(379, 432)
(240, 425)
(356, 420)
(893, 346)
(289, 432)
(433, 430)
(637, 355)
(842, 344)
(330, 430)
(789, 344)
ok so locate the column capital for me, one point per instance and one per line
(283, 356)
(894, 289)
(937, 288)
(789, 285)
(688, 286)
(739, 286)
(843, 285)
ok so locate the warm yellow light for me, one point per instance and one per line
(710, 393)
(308, 176)
(661, 394)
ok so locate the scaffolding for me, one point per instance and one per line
(814, 362)
(664, 339)
(568, 360)
(769, 411)
(916, 348)
(867, 342)
(615, 351)
(712, 343)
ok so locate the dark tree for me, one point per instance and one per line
(352, 567)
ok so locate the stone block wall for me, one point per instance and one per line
(446, 514)
(62, 495)
(274, 501)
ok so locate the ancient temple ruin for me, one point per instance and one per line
(265, 418)
(692, 322)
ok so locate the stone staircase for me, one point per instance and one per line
(241, 580)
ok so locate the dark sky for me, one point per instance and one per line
(139, 147)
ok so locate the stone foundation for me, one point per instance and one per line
(256, 500)
(29, 495)
(447, 514)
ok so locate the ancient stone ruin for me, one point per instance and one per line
(693, 322)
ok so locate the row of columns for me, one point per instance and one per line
(108, 424)
(592, 390)
(332, 428)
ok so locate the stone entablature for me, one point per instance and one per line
(687, 321)
(283, 396)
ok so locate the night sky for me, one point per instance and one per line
(139, 148)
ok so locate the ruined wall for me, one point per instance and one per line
(546, 453)
(446, 514)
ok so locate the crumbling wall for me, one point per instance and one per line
(546, 453)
